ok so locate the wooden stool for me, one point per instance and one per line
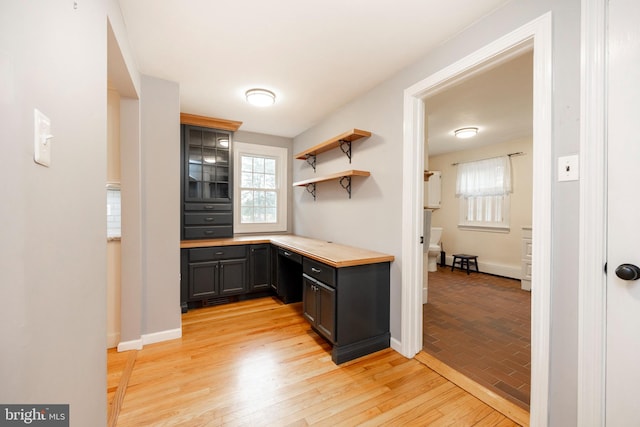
(463, 261)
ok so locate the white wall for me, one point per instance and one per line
(160, 136)
(498, 253)
(52, 250)
(372, 218)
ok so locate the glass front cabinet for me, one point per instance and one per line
(207, 183)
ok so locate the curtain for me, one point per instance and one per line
(490, 177)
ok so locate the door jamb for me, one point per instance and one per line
(539, 32)
(592, 279)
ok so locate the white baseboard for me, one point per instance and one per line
(130, 345)
(152, 338)
(396, 345)
(425, 295)
(167, 335)
(504, 270)
(113, 339)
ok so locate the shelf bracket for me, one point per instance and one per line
(311, 188)
(311, 159)
(345, 146)
(345, 182)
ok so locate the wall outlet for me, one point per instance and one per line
(568, 168)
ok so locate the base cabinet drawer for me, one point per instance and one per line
(208, 218)
(194, 232)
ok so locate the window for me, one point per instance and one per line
(483, 188)
(113, 212)
(260, 194)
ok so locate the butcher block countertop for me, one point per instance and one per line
(333, 254)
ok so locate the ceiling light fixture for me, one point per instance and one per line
(260, 97)
(464, 133)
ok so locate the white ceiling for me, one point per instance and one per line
(315, 55)
(499, 102)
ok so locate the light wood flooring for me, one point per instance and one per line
(258, 363)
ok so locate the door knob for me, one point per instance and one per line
(628, 272)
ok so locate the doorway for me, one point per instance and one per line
(480, 324)
(537, 34)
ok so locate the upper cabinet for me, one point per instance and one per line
(433, 186)
(207, 177)
(208, 155)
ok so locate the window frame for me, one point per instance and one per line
(479, 181)
(257, 150)
(503, 226)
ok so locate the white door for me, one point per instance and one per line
(623, 296)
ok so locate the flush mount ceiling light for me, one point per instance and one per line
(464, 133)
(224, 142)
(260, 97)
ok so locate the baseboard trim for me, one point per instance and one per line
(395, 344)
(500, 404)
(130, 345)
(169, 334)
(113, 339)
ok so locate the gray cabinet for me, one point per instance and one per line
(348, 306)
(319, 301)
(207, 209)
(212, 272)
(259, 267)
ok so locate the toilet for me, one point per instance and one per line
(434, 248)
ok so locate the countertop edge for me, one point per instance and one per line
(278, 240)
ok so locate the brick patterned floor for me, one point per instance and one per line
(480, 325)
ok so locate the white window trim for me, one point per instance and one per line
(499, 227)
(281, 154)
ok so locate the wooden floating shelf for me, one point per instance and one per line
(330, 144)
(343, 177)
(331, 177)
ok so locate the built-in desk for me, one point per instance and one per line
(344, 289)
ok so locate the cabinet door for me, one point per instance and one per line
(207, 157)
(232, 276)
(309, 300)
(203, 279)
(259, 267)
(326, 312)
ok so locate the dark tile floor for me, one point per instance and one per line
(480, 325)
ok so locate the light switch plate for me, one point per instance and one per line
(42, 138)
(568, 169)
